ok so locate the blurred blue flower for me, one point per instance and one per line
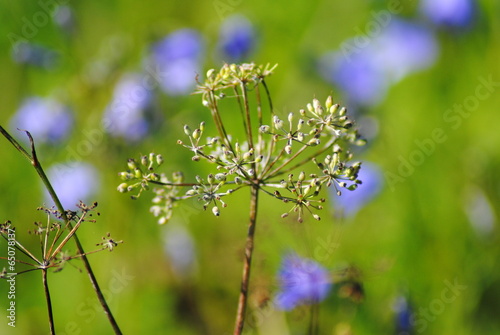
(480, 211)
(180, 250)
(65, 18)
(350, 202)
(450, 13)
(405, 47)
(33, 54)
(236, 39)
(302, 281)
(404, 315)
(72, 183)
(365, 72)
(177, 61)
(125, 115)
(46, 119)
(359, 76)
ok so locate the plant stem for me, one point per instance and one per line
(49, 303)
(242, 302)
(38, 167)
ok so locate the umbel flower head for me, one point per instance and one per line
(268, 156)
(302, 281)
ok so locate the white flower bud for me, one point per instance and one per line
(216, 211)
(329, 102)
(123, 187)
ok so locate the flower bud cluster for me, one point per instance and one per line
(140, 173)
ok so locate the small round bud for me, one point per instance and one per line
(159, 160)
(220, 176)
(316, 217)
(313, 142)
(187, 130)
(300, 123)
(342, 184)
(310, 108)
(145, 160)
(264, 129)
(191, 192)
(211, 178)
(334, 108)
(125, 175)
(216, 211)
(302, 176)
(196, 133)
(288, 149)
(329, 102)
(360, 142)
(138, 173)
(290, 117)
(238, 180)
(195, 158)
(132, 164)
(316, 104)
(122, 188)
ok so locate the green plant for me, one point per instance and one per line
(268, 160)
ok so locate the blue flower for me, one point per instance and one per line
(404, 316)
(350, 202)
(302, 281)
(34, 54)
(46, 119)
(405, 47)
(72, 183)
(236, 39)
(366, 71)
(65, 18)
(359, 76)
(125, 115)
(177, 61)
(180, 250)
(450, 13)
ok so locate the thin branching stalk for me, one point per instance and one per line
(49, 302)
(247, 263)
(36, 164)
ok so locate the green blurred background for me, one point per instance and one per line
(414, 237)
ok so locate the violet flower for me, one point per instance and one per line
(34, 54)
(72, 183)
(177, 61)
(180, 250)
(365, 72)
(236, 39)
(125, 115)
(302, 281)
(350, 202)
(448, 13)
(46, 119)
(404, 316)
